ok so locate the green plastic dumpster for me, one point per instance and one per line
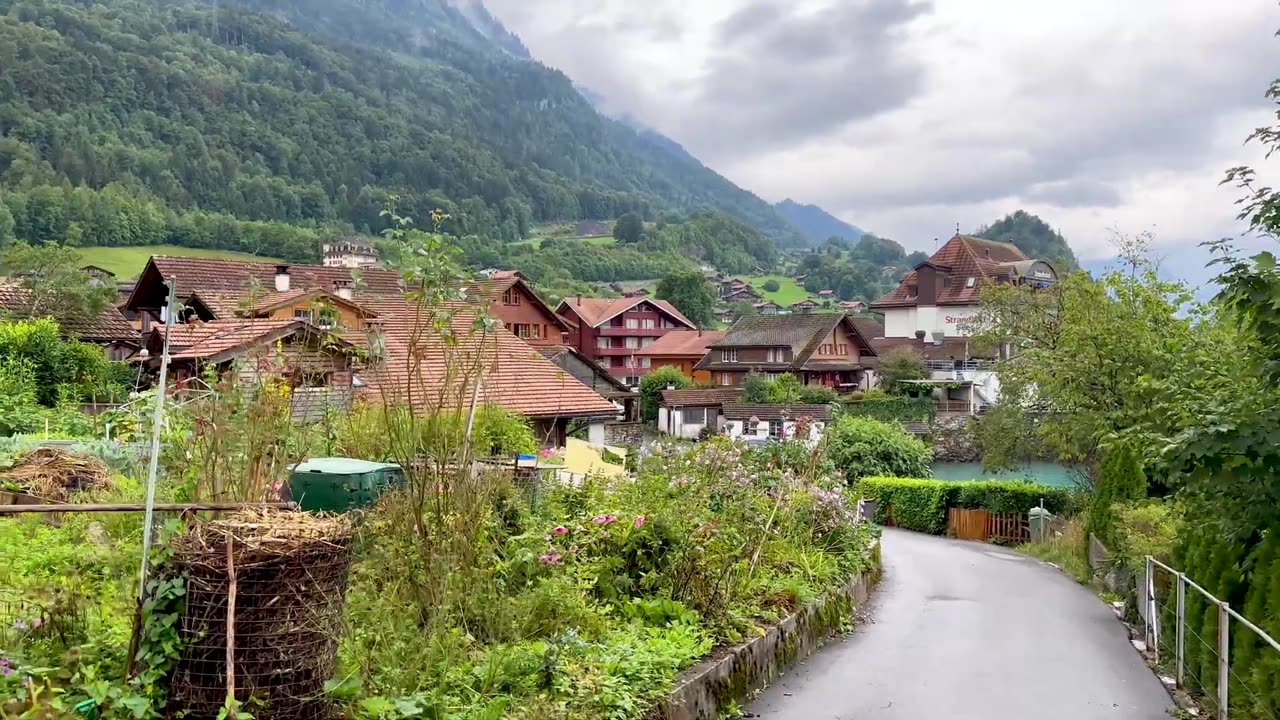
(341, 484)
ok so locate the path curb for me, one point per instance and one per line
(732, 675)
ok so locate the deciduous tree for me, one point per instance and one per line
(691, 294)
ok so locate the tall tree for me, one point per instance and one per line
(691, 294)
(55, 284)
(629, 228)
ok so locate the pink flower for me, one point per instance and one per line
(604, 519)
(560, 530)
(37, 622)
(639, 523)
(550, 558)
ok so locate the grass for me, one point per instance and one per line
(1064, 549)
(788, 291)
(589, 240)
(128, 262)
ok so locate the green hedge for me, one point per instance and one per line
(893, 408)
(921, 505)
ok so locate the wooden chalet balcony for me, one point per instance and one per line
(611, 331)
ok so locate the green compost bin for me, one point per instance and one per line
(341, 484)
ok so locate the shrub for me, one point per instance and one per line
(500, 432)
(755, 388)
(898, 408)
(921, 505)
(1122, 479)
(862, 447)
(901, 364)
(1146, 528)
(652, 385)
(818, 395)
(771, 286)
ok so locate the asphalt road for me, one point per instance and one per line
(961, 630)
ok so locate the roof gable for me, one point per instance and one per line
(597, 311)
(960, 258)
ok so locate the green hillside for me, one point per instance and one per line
(127, 262)
(121, 121)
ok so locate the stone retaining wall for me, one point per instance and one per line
(733, 675)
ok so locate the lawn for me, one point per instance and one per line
(127, 262)
(788, 291)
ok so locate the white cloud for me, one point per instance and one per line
(907, 117)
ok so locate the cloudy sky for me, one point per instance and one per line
(906, 117)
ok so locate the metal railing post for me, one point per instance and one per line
(1180, 629)
(1145, 612)
(1224, 664)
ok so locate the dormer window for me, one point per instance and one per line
(970, 282)
(912, 291)
(511, 297)
(729, 355)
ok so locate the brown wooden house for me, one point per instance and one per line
(819, 349)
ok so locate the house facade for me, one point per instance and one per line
(760, 423)
(681, 349)
(819, 349)
(613, 332)
(513, 300)
(589, 373)
(941, 296)
(688, 413)
(350, 253)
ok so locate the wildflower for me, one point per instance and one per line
(560, 530)
(604, 519)
(6, 669)
(639, 523)
(37, 622)
(550, 558)
(19, 624)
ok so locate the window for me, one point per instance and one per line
(644, 362)
(775, 428)
(777, 355)
(302, 313)
(648, 323)
(646, 342)
(946, 281)
(632, 380)
(531, 332)
(912, 291)
(726, 379)
(602, 343)
(632, 343)
(511, 297)
(969, 282)
(729, 355)
(633, 323)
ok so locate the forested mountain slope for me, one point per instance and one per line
(1033, 236)
(261, 128)
(815, 224)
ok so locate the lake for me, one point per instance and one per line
(1047, 473)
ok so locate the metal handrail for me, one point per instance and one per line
(1151, 633)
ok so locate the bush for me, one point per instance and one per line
(1146, 528)
(921, 505)
(900, 364)
(1122, 480)
(652, 385)
(771, 286)
(818, 395)
(898, 408)
(862, 447)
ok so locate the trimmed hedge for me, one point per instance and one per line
(893, 408)
(921, 505)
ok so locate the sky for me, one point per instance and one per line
(910, 117)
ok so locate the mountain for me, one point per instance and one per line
(816, 224)
(1033, 236)
(262, 125)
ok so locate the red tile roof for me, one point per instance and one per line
(701, 397)
(690, 343)
(108, 326)
(216, 275)
(230, 338)
(597, 311)
(510, 373)
(962, 257)
(952, 348)
(497, 284)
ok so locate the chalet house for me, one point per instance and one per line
(501, 369)
(318, 366)
(820, 349)
(109, 330)
(933, 307)
(768, 308)
(853, 306)
(590, 373)
(99, 275)
(687, 413)
(743, 294)
(350, 253)
(512, 299)
(940, 296)
(612, 332)
(800, 279)
(779, 422)
(826, 294)
(681, 349)
(804, 306)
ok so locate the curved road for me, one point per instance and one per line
(960, 631)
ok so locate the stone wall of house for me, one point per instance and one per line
(629, 433)
(955, 439)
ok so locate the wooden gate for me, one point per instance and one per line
(985, 526)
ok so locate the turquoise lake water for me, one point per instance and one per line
(1042, 472)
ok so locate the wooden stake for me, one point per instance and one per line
(231, 629)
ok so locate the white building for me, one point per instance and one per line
(686, 413)
(934, 307)
(350, 253)
(761, 423)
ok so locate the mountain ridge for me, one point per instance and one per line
(816, 224)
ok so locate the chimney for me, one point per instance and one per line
(920, 334)
(342, 288)
(579, 301)
(377, 339)
(282, 278)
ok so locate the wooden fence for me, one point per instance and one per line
(985, 526)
